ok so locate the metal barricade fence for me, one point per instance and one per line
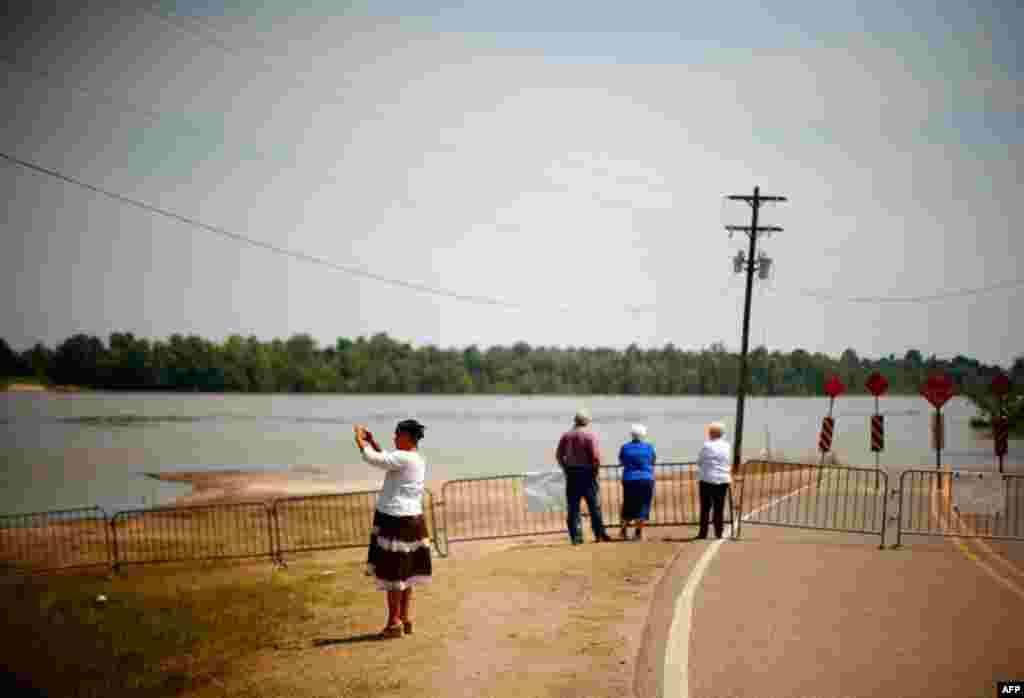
(964, 504)
(808, 496)
(334, 521)
(799, 495)
(205, 532)
(54, 540)
(496, 507)
(675, 500)
(42, 541)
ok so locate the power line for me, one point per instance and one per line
(927, 298)
(485, 300)
(237, 237)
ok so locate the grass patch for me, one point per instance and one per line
(161, 631)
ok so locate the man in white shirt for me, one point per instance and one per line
(715, 474)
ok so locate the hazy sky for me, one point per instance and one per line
(569, 158)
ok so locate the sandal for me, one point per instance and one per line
(407, 626)
(392, 631)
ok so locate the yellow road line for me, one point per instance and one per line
(996, 555)
(965, 550)
(985, 547)
(1004, 581)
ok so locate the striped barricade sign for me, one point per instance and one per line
(825, 440)
(877, 433)
(938, 431)
(1001, 429)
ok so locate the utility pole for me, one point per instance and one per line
(750, 263)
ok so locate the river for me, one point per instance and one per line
(64, 450)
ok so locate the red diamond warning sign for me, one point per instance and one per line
(938, 389)
(877, 384)
(834, 388)
(1000, 385)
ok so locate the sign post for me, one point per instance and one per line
(834, 388)
(877, 385)
(937, 390)
(1000, 425)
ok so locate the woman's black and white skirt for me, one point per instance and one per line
(399, 555)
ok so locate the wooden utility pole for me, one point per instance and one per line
(751, 263)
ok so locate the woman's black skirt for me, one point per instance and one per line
(636, 499)
(399, 555)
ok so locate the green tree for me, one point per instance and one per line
(10, 363)
(37, 361)
(78, 361)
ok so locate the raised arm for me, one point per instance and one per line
(378, 459)
(371, 454)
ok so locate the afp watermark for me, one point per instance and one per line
(1009, 688)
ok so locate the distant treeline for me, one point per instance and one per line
(380, 364)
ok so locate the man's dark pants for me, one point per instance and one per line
(712, 497)
(581, 483)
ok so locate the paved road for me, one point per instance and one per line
(790, 612)
(786, 613)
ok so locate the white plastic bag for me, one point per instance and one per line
(545, 491)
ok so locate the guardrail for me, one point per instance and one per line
(772, 493)
(962, 504)
(53, 540)
(47, 541)
(206, 532)
(333, 521)
(817, 497)
(481, 508)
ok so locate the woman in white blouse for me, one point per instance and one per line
(399, 555)
(715, 472)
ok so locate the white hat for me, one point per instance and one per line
(638, 430)
(582, 417)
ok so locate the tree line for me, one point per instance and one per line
(381, 364)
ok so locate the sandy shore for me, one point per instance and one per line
(25, 388)
(225, 486)
(242, 485)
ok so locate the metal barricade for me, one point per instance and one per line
(54, 540)
(205, 532)
(676, 495)
(809, 496)
(334, 521)
(492, 507)
(961, 504)
(495, 507)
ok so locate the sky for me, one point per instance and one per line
(556, 171)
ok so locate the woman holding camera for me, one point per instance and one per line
(399, 554)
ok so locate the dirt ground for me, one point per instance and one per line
(513, 618)
(535, 617)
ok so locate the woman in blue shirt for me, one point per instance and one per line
(637, 459)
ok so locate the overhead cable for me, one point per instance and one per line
(927, 298)
(237, 237)
(447, 293)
